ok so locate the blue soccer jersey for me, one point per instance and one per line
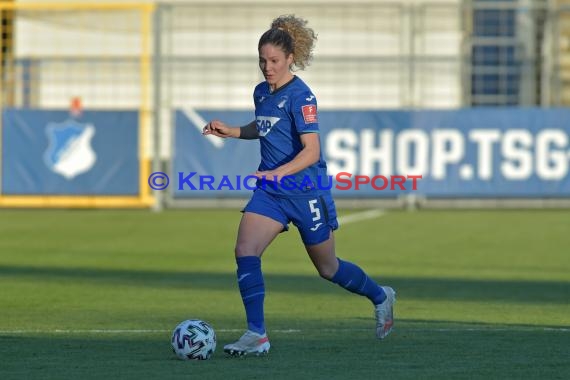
(281, 117)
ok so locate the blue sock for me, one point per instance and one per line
(352, 278)
(252, 289)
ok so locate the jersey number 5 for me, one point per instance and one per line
(315, 211)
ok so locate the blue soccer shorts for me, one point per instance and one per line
(314, 217)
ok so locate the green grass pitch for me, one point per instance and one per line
(96, 294)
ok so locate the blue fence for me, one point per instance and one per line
(483, 153)
(51, 153)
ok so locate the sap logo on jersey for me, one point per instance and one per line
(69, 152)
(265, 123)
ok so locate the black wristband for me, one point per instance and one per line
(248, 133)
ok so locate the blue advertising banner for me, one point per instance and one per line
(51, 153)
(489, 152)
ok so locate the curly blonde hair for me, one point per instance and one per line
(292, 35)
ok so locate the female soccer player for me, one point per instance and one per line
(291, 169)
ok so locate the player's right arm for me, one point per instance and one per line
(221, 129)
(249, 132)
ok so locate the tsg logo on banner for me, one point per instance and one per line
(53, 152)
(70, 152)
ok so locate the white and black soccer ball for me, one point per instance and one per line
(193, 339)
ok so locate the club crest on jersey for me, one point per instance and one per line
(283, 101)
(265, 123)
(309, 113)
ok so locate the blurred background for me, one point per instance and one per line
(102, 106)
(471, 95)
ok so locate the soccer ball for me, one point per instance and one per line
(193, 339)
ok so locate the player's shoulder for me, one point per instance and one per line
(260, 92)
(261, 88)
(302, 92)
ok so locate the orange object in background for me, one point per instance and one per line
(75, 108)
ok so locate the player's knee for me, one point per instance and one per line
(326, 271)
(240, 250)
(244, 249)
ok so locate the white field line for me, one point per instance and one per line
(360, 216)
(117, 331)
(278, 331)
(200, 123)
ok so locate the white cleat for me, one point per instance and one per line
(385, 314)
(249, 343)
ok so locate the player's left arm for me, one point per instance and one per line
(310, 154)
(304, 115)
